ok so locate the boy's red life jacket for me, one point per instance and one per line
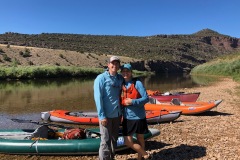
(131, 92)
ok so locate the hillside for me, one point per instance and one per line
(24, 56)
(160, 53)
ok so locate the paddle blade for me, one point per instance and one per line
(38, 123)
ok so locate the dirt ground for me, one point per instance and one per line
(213, 135)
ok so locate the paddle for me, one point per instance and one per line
(50, 124)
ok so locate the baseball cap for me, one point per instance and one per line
(126, 66)
(114, 58)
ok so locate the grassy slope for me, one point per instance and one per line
(51, 63)
(223, 66)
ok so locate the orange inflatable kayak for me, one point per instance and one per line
(91, 118)
(185, 107)
(156, 116)
(71, 117)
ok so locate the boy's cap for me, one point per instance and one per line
(114, 58)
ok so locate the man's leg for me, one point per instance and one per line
(105, 144)
(115, 133)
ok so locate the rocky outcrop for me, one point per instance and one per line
(228, 43)
(158, 66)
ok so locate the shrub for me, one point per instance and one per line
(15, 62)
(27, 50)
(1, 51)
(26, 54)
(30, 63)
(6, 58)
(21, 53)
(61, 55)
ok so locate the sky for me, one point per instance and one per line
(120, 17)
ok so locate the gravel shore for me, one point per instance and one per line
(213, 135)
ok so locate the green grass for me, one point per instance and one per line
(137, 73)
(223, 66)
(31, 72)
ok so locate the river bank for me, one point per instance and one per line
(211, 135)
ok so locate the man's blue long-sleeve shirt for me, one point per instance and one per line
(107, 95)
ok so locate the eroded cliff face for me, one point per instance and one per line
(161, 66)
(227, 43)
(223, 45)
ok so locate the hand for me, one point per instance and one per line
(128, 101)
(104, 122)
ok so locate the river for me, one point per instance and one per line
(26, 99)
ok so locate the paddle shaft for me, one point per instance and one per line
(16, 134)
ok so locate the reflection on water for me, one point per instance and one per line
(35, 96)
(170, 82)
(204, 80)
(41, 95)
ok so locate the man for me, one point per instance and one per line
(107, 89)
